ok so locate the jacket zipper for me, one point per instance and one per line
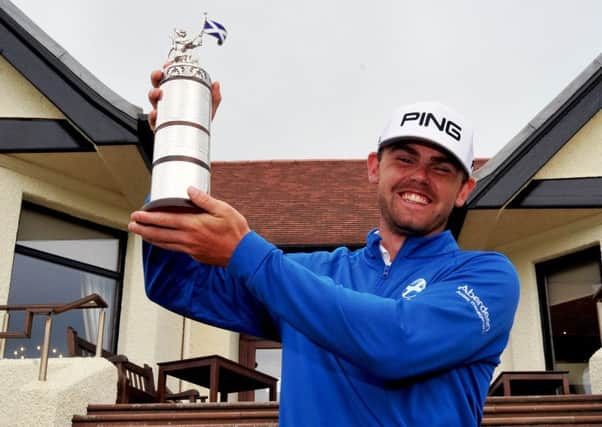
(381, 281)
(386, 271)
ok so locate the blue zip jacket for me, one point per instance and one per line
(364, 344)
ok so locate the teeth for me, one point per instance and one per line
(416, 198)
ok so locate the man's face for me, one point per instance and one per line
(418, 186)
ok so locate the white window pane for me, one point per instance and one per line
(100, 253)
(269, 361)
(575, 282)
(60, 237)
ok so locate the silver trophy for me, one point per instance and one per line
(183, 129)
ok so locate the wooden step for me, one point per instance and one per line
(558, 410)
(189, 414)
(537, 411)
(541, 420)
(160, 408)
(529, 400)
(545, 408)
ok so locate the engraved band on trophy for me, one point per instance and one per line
(183, 128)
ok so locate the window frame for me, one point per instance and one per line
(542, 271)
(118, 275)
(247, 352)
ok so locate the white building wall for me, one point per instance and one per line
(580, 157)
(148, 333)
(525, 351)
(31, 103)
(10, 206)
(205, 340)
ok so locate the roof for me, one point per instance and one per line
(66, 59)
(92, 108)
(93, 135)
(301, 202)
(478, 163)
(511, 169)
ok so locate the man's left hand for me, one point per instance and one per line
(210, 237)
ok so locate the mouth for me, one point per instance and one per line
(416, 198)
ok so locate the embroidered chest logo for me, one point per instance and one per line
(481, 310)
(414, 289)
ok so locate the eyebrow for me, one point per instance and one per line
(441, 158)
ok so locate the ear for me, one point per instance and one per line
(465, 191)
(373, 164)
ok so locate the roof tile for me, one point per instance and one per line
(302, 202)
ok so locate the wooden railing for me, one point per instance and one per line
(31, 310)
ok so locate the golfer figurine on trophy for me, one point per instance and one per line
(182, 132)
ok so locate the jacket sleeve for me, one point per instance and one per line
(462, 318)
(205, 293)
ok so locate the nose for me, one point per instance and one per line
(420, 173)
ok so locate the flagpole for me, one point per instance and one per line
(203, 28)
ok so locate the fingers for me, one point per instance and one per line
(152, 119)
(156, 76)
(154, 95)
(229, 224)
(205, 201)
(164, 238)
(161, 228)
(210, 237)
(160, 219)
(216, 98)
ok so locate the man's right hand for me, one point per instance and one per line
(154, 95)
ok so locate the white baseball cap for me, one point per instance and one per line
(434, 123)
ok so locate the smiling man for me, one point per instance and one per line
(422, 169)
(405, 331)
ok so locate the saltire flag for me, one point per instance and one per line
(215, 29)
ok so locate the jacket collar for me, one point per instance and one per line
(416, 246)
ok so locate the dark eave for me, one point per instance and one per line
(505, 174)
(100, 114)
(40, 136)
(571, 193)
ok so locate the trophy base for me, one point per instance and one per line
(172, 205)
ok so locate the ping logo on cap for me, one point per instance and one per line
(427, 119)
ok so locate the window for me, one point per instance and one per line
(263, 355)
(570, 313)
(59, 259)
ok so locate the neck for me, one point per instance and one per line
(391, 241)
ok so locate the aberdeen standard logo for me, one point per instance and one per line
(414, 289)
(479, 306)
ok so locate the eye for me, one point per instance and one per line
(405, 159)
(443, 169)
